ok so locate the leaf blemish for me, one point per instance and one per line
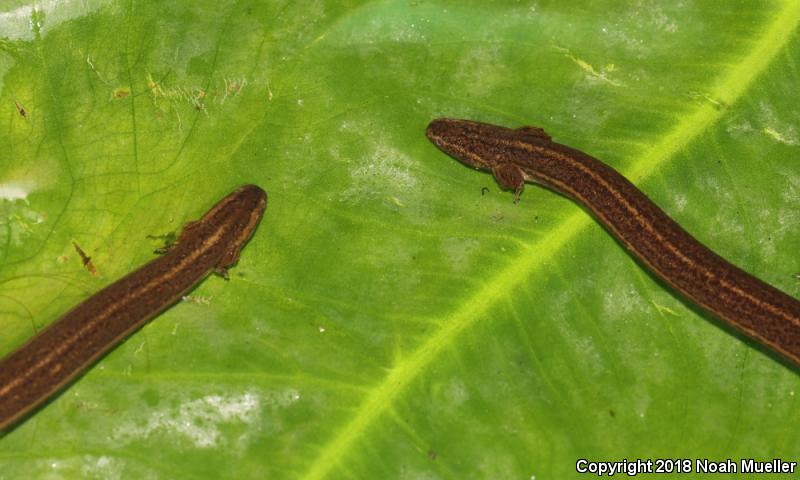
(121, 92)
(22, 112)
(197, 299)
(774, 128)
(779, 137)
(198, 97)
(13, 191)
(94, 69)
(383, 172)
(460, 251)
(706, 97)
(200, 421)
(17, 218)
(592, 74)
(234, 86)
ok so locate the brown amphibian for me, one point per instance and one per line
(70, 345)
(528, 154)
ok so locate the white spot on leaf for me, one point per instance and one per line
(382, 172)
(17, 219)
(459, 251)
(200, 421)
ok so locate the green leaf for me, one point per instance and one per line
(393, 318)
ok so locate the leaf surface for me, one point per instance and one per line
(396, 315)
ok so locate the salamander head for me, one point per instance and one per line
(480, 145)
